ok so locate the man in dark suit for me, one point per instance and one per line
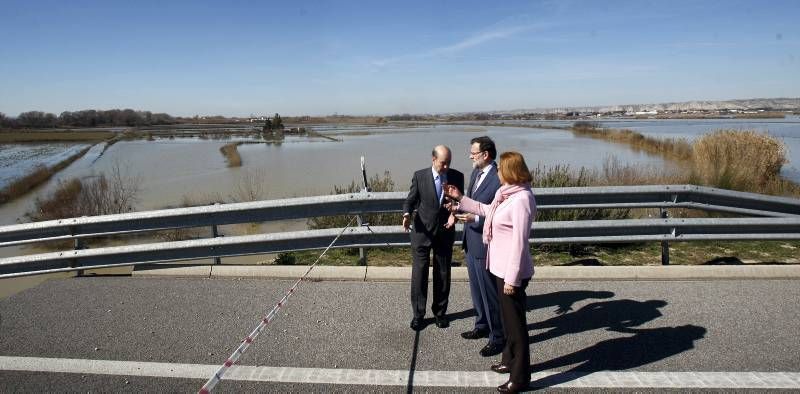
(483, 184)
(433, 230)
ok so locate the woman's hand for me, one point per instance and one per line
(508, 289)
(452, 192)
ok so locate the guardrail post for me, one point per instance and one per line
(77, 245)
(362, 253)
(664, 244)
(215, 234)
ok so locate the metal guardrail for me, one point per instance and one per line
(662, 196)
(779, 219)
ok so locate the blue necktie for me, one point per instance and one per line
(438, 183)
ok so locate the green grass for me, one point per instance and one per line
(681, 253)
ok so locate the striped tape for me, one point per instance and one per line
(248, 340)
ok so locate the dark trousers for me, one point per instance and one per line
(422, 244)
(516, 354)
(483, 289)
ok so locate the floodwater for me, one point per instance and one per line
(179, 170)
(175, 170)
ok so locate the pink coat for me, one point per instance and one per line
(508, 254)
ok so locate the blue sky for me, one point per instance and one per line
(384, 57)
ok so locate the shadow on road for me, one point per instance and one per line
(613, 315)
(562, 299)
(644, 347)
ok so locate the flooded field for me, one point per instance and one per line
(16, 159)
(175, 171)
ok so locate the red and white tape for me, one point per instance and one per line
(248, 340)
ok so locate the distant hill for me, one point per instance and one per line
(776, 104)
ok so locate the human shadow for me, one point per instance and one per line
(613, 315)
(647, 345)
(563, 299)
(590, 262)
(465, 314)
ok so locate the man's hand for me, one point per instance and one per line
(451, 221)
(407, 222)
(508, 289)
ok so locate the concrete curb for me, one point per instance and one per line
(459, 274)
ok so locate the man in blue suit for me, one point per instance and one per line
(483, 184)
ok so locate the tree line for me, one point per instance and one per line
(85, 118)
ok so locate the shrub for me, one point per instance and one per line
(377, 184)
(738, 160)
(98, 195)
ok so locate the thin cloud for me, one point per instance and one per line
(470, 42)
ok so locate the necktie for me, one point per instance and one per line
(438, 183)
(478, 181)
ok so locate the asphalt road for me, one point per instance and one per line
(575, 327)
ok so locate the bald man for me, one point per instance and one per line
(433, 231)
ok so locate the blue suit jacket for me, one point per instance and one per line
(473, 232)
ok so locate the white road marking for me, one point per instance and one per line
(604, 379)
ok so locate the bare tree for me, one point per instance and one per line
(249, 187)
(124, 187)
(103, 194)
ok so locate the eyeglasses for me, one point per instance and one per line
(476, 153)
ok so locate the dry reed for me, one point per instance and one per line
(672, 148)
(231, 154)
(739, 160)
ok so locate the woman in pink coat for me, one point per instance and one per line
(508, 258)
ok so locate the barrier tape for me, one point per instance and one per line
(247, 341)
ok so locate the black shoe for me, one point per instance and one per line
(475, 334)
(416, 324)
(492, 349)
(441, 322)
(511, 387)
(501, 368)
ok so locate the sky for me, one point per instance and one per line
(237, 58)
